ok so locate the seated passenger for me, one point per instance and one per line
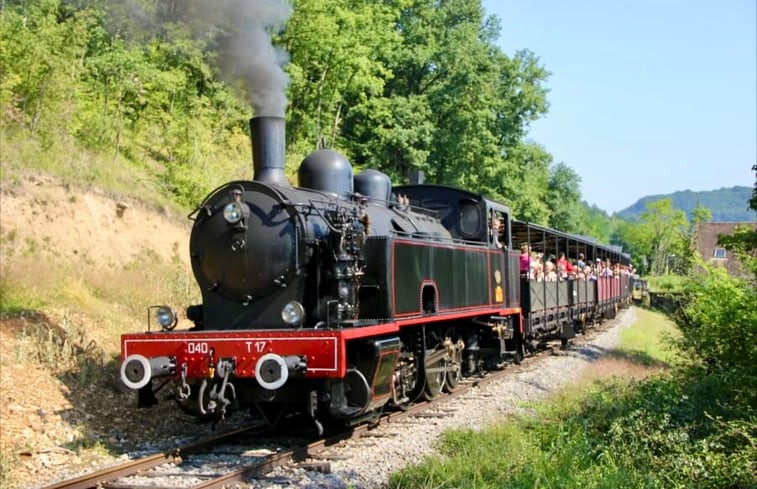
(606, 269)
(580, 263)
(562, 271)
(562, 261)
(536, 264)
(550, 275)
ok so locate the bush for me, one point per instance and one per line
(718, 320)
(671, 431)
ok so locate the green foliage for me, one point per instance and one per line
(40, 60)
(650, 341)
(450, 103)
(338, 59)
(667, 283)
(525, 186)
(668, 432)
(719, 322)
(563, 198)
(593, 221)
(152, 106)
(400, 85)
(15, 301)
(660, 242)
(700, 214)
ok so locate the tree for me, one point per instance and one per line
(667, 227)
(563, 198)
(637, 238)
(455, 106)
(41, 50)
(525, 181)
(339, 51)
(700, 214)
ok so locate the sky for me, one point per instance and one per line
(646, 96)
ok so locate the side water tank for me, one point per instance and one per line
(327, 171)
(373, 184)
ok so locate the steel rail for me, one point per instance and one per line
(132, 467)
(312, 450)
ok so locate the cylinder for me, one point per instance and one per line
(268, 147)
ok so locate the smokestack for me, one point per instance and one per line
(268, 149)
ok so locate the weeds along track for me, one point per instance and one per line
(242, 454)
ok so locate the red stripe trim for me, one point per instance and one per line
(447, 317)
(362, 331)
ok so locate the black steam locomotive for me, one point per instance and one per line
(346, 295)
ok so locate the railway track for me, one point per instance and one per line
(143, 472)
(118, 476)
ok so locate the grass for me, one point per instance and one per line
(666, 431)
(61, 349)
(648, 341)
(110, 300)
(73, 165)
(665, 283)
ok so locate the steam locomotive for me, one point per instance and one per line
(347, 295)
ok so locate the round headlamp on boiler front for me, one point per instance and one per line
(293, 313)
(236, 211)
(233, 212)
(165, 316)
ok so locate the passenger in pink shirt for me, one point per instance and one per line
(525, 258)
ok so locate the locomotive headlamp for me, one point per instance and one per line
(293, 313)
(166, 317)
(233, 212)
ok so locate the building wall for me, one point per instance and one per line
(706, 242)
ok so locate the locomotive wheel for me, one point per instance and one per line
(435, 379)
(408, 381)
(520, 349)
(455, 360)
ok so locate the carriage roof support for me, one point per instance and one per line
(523, 232)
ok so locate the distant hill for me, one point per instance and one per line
(726, 204)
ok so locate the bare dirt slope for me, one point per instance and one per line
(85, 226)
(49, 412)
